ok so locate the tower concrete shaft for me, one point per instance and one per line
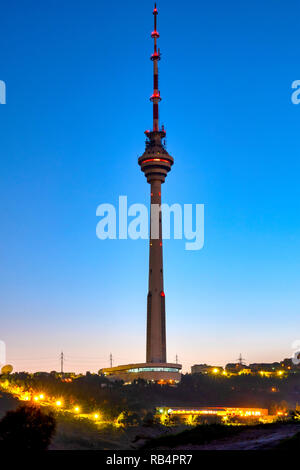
(155, 163)
(156, 321)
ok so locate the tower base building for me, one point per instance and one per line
(162, 373)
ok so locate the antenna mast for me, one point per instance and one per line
(62, 363)
(155, 57)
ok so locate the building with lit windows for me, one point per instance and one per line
(205, 369)
(222, 411)
(151, 372)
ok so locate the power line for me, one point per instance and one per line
(62, 363)
(95, 358)
(241, 359)
(33, 358)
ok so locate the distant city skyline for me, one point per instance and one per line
(77, 88)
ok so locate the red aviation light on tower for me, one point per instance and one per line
(155, 56)
(155, 34)
(155, 96)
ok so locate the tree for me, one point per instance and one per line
(148, 419)
(129, 418)
(27, 428)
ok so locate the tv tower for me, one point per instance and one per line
(155, 163)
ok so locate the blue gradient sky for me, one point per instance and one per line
(78, 80)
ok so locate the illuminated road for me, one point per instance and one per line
(56, 403)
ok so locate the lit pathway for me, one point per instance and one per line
(42, 399)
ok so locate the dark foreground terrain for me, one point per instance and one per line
(81, 434)
(218, 437)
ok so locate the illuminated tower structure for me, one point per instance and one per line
(155, 163)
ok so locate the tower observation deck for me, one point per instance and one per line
(156, 164)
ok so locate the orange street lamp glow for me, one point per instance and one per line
(36, 398)
(58, 403)
(42, 396)
(215, 370)
(76, 409)
(96, 415)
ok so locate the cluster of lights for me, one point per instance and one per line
(268, 373)
(220, 412)
(194, 412)
(263, 373)
(155, 160)
(41, 398)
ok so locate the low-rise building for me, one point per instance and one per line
(234, 367)
(206, 369)
(228, 411)
(162, 373)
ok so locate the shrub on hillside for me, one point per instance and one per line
(27, 428)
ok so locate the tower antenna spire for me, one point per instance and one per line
(155, 57)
